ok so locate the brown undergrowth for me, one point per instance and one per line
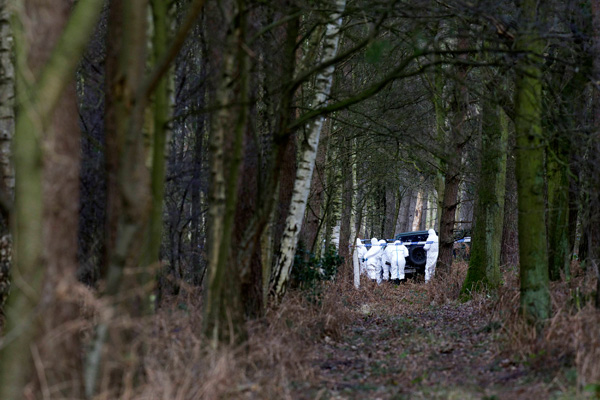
(403, 338)
(568, 343)
(439, 347)
(179, 363)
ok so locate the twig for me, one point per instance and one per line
(39, 368)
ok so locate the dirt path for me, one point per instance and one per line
(422, 352)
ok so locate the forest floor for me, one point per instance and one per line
(441, 352)
(408, 341)
(398, 343)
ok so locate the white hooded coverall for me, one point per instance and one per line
(361, 250)
(396, 253)
(385, 267)
(432, 247)
(373, 261)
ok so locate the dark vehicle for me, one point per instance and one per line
(417, 256)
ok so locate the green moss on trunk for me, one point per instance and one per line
(530, 171)
(161, 110)
(37, 101)
(484, 264)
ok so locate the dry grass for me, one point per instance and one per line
(445, 287)
(568, 339)
(179, 363)
(166, 357)
(276, 358)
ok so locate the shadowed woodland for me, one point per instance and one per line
(183, 182)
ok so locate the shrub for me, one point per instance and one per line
(309, 271)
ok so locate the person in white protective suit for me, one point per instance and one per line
(385, 262)
(432, 248)
(397, 253)
(361, 250)
(373, 261)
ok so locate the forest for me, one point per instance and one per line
(183, 184)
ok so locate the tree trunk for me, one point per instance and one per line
(510, 235)
(465, 210)
(331, 217)
(60, 182)
(456, 142)
(403, 210)
(307, 157)
(416, 223)
(39, 95)
(223, 315)
(535, 296)
(7, 128)
(284, 199)
(161, 114)
(128, 183)
(325, 229)
(391, 211)
(484, 263)
(423, 225)
(448, 217)
(251, 291)
(276, 149)
(557, 165)
(198, 203)
(441, 114)
(310, 229)
(360, 201)
(346, 217)
(430, 220)
(411, 211)
(593, 231)
(129, 180)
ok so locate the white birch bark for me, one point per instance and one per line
(418, 211)
(308, 155)
(7, 96)
(7, 128)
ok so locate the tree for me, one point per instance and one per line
(593, 225)
(161, 113)
(223, 320)
(38, 98)
(308, 151)
(484, 263)
(456, 141)
(128, 178)
(533, 256)
(7, 128)
(347, 204)
(558, 166)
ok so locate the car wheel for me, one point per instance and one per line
(417, 256)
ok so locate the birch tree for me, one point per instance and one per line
(7, 128)
(223, 316)
(308, 152)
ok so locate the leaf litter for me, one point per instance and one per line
(417, 341)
